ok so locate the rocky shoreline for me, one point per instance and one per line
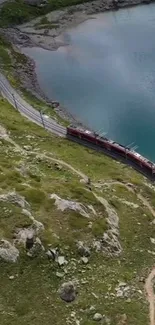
(52, 34)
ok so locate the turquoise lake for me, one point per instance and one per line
(106, 75)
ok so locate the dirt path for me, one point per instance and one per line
(61, 162)
(4, 135)
(150, 295)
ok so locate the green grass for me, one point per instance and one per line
(44, 23)
(35, 282)
(48, 26)
(18, 12)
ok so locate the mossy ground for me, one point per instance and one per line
(32, 297)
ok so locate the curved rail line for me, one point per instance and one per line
(8, 92)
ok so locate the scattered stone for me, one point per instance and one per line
(73, 313)
(27, 148)
(11, 277)
(97, 317)
(83, 249)
(84, 281)
(84, 260)
(52, 253)
(123, 290)
(94, 295)
(27, 213)
(57, 166)
(68, 291)
(61, 260)
(142, 279)
(122, 284)
(8, 252)
(92, 308)
(60, 275)
(152, 240)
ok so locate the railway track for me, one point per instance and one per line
(27, 110)
(13, 97)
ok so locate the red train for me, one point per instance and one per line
(113, 147)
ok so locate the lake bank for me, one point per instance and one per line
(105, 77)
(46, 32)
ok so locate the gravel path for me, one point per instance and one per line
(150, 295)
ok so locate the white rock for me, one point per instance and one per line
(8, 252)
(84, 260)
(92, 308)
(94, 295)
(11, 277)
(97, 317)
(152, 240)
(63, 205)
(122, 284)
(14, 198)
(61, 260)
(59, 275)
(26, 213)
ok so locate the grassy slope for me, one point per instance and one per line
(32, 296)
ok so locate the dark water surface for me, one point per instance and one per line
(106, 76)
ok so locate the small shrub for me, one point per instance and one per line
(43, 21)
(99, 227)
(35, 196)
(76, 221)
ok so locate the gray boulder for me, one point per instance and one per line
(83, 250)
(97, 317)
(8, 252)
(68, 291)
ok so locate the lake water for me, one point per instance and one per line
(106, 76)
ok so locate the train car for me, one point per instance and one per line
(144, 163)
(81, 134)
(89, 136)
(119, 149)
(131, 156)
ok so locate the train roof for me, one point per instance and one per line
(116, 144)
(139, 156)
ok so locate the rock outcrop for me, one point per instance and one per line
(8, 252)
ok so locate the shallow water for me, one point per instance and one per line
(106, 76)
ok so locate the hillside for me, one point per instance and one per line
(77, 239)
(101, 239)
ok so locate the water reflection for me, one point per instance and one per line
(106, 75)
